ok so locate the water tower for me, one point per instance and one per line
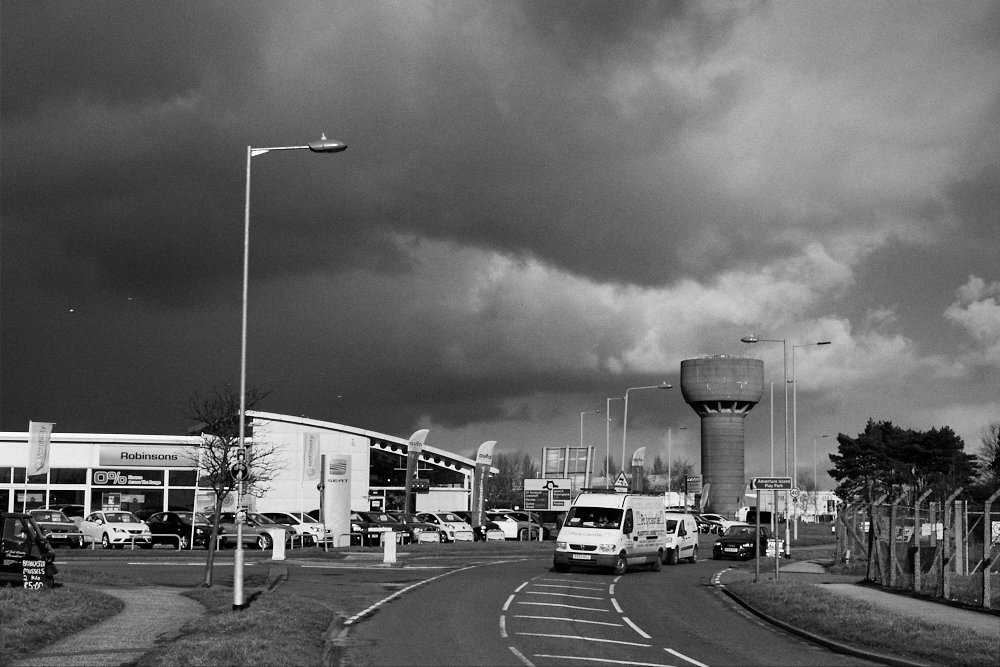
(722, 390)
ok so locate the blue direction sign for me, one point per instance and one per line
(771, 484)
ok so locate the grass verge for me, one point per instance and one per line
(809, 607)
(31, 619)
(276, 629)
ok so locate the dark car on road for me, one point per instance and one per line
(741, 542)
(59, 530)
(174, 529)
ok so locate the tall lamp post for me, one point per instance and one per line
(588, 412)
(815, 478)
(324, 145)
(607, 440)
(670, 454)
(795, 428)
(662, 385)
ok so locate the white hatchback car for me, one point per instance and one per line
(116, 528)
(452, 527)
(300, 524)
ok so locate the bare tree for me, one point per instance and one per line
(217, 420)
(989, 455)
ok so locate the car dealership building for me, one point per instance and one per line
(157, 472)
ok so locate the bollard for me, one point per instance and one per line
(277, 536)
(389, 547)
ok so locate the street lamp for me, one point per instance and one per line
(669, 448)
(662, 385)
(784, 361)
(324, 145)
(607, 441)
(815, 478)
(589, 412)
(795, 427)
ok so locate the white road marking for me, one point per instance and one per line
(583, 588)
(567, 618)
(614, 603)
(586, 639)
(365, 612)
(566, 595)
(605, 660)
(503, 626)
(506, 605)
(564, 606)
(684, 657)
(635, 627)
(520, 656)
(518, 589)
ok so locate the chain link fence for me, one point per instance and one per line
(947, 549)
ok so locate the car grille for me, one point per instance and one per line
(583, 547)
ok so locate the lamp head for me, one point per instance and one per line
(749, 339)
(325, 145)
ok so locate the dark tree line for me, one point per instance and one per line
(886, 459)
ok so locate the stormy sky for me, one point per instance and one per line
(541, 205)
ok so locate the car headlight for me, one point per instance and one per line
(356, 528)
(747, 545)
(119, 529)
(606, 548)
(718, 543)
(562, 545)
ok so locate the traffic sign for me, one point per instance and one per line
(621, 484)
(240, 471)
(794, 493)
(771, 484)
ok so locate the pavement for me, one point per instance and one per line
(156, 614)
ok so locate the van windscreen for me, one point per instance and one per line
(594, 517)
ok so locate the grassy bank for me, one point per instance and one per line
(856, 623)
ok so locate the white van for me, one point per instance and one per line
(682, 537)
(612, 530)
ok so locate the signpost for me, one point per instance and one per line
(774, 484)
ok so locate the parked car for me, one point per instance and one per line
(399, 531)
(174, 528)
(514, 527)
(366, 532)
(420, 531)
(116, 528)
(310, 529)
(452, 527)
(718, 523)
(58, 528)
(22, 539)
(481, 532)
(254, 534)
(75, 513)
(741, 541)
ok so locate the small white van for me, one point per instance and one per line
(613, 531)
(682, 538)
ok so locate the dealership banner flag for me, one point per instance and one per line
(484, 460)
(413, 449)
(39, 439)
(310, 456)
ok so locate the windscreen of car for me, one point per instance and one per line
(594, 517)
(50, 517)
(448, 516)
(305, 518)
(740, 531)
(671, 525)
(120, 517)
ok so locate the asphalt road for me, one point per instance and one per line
(520, 613)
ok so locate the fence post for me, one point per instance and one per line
(961, 558)
(946, 555)
(987, 544)
(893, 564)
(916, 539)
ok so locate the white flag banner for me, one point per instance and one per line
(39, 439)
(310, 456)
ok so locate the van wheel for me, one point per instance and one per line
(672, 557)
(621, 565)
(694, 555)
(657, 563)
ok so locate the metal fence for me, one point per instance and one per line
(947, 549)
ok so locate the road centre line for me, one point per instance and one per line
(684, 657)
(506, 605)
(586, 639)
(566, 595)
(567, 618)
(564, 606)
(604, 660)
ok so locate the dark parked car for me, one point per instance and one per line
(174, 528)
(383, 519)
(21, 539)
(740, 541)
(420, 531)
(254, 533)
(58, 528)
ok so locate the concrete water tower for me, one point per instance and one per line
(722, 390)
